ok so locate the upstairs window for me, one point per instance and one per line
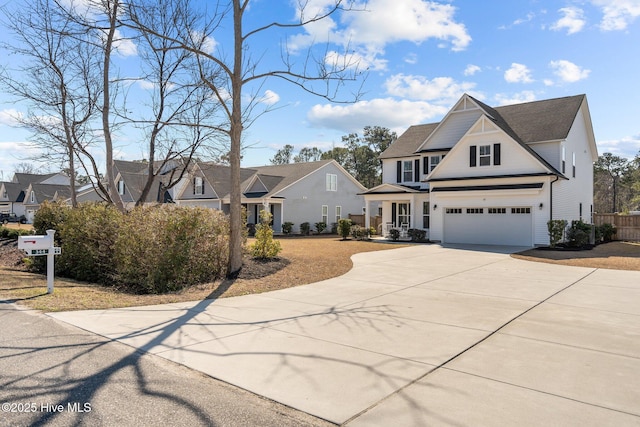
(407, 171)
(332, 182)
(573, 160)
(198, 186)
(485, 155)
(33, 197)
(121, 187)
(433, 162)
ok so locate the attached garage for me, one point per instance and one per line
(511, 226)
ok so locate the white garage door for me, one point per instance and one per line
(489, 226)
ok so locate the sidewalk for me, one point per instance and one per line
(424, 335)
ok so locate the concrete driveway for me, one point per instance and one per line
(423, 335)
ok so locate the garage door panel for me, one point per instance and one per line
(509, 228)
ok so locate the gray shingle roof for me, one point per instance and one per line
(545, 120)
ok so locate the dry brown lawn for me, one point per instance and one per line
(613, 255)
(303, 260)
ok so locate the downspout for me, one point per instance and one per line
(551, 197)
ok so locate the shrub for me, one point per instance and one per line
(166, 248)
(417, 235)
(359, 233)
(13, 233)
(265, 247)
(606, 232)
(320, 226)
(394, 233)
(305, 228)
(372, 231)
(578, 234)
(87, 238)
(556, 229)
(287, 227)
(344, 228)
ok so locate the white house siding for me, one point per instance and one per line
(514, 158)
(516, 198)
(568, 194)
(303, 200)
(451, 130)
(550, 151)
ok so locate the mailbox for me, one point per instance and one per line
(35, 245)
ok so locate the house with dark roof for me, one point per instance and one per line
(24, 193)
(491, 175)
(321, 191)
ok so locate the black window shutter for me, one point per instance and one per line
(393, 212)
(425, 164)
(472, 156)
(416, 171)
(194, 185)
(398, 171)
(496, 154)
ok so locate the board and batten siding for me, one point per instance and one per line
(451, 130)
(568, 194)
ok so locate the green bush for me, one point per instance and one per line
(417, 235)
(606, 232)
(305, 228)
(394, 233)
(87, 238)
(320, 226)
(578, 234)
(287, 227)
(359, 233)
(265, 247)
(556, 228)
(166, 248)
(344, 228)
(13, 233)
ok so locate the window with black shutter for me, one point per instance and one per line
(472, 156)
(398, 171)
(496, 154)
(416, 171)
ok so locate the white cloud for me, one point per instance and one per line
(568, 71)
(573, 20)
(443, 90)
(518, 73)
(270, 97)
(471, 70)
(385, 112)
(617, 14)
(383, 22)
(10, 117)
(124, 46)
(517, 98)
(355, 60)
(411, 58)
(627, 147)
(530, 16)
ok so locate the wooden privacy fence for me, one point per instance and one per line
(374, 221)
(628, 226)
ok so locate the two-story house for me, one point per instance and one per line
(487, 175)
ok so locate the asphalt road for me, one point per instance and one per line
(54, 374)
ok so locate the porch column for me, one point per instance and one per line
(367, 222)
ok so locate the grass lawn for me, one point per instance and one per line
(303, 260)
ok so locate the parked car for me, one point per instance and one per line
(11, 217)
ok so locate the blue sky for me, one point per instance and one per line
(422, 56)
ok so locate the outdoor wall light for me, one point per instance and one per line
(435, 207)
(540, 205)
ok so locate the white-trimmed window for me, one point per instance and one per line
(33, 197)
(425, 215)
(5, 194)
(338, 213)
(198, 185)
(404, 213)
(484, 155)
(407, 171)
(564, 154)
(121, 187)
(573, 160)
(332, 182)
(433, 162)
(325, 213)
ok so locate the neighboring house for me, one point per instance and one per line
(298, 192)
(25, 192)
(130, 179)
(487, 175)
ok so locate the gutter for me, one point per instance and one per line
(551, 197)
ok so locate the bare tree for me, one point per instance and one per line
(244, 69)
(56, 79)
